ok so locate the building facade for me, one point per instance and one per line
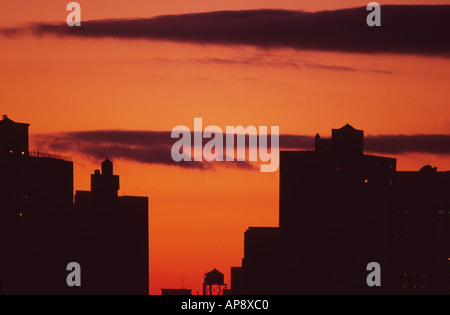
(341, 209)
(115, 228)
(42, 230)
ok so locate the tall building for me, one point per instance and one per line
(339, 211)
(41, 230)
(116, 231)
(260, 265)
(419, 233)
(36, 203)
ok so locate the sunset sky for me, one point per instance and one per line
(114, 94)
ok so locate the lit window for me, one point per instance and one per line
(366, 181)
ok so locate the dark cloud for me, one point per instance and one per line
(400, 144)
(153, 147)
(421, 29)
(296, 142)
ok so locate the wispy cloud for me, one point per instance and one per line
(419, 29)
(269, 61)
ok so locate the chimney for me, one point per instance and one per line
(5, 117)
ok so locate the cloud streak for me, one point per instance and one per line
(153, 147)
(270, 61)
(415, 29)
(402, 144)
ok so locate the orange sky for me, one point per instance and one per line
(197, 218)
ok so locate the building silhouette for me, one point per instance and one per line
(213, 283)
(116, 227)
(419, 232)
(42, 230)
(341, 209)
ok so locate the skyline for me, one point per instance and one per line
(72, 87)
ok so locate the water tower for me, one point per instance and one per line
(213, 283)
